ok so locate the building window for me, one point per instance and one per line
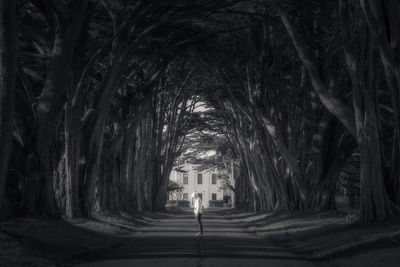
(185, 178)
(185, 196)
(214, 178)
(199, 178)
(214, 196)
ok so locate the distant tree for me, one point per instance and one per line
(174, 190)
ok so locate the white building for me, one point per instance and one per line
(205, 183)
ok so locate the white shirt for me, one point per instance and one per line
(198, 208)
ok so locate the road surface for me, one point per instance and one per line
(172, 242)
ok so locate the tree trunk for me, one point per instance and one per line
(375, 204)
(95, 138)
(382, 18)
(374, 201)
(72, 133)
(59, 77)
(8, 41)
(50, 103)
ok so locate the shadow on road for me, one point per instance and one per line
(173, 238)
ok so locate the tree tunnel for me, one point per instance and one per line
(98, 99)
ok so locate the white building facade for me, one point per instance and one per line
(205, 183)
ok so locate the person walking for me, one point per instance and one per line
(198, 209)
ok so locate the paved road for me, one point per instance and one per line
(172, 242)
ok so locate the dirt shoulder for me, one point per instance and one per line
(328, 239)
(39, 242)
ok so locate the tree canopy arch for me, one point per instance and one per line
(106, 95)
